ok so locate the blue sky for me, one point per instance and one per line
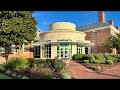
(80, 18)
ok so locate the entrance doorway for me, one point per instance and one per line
(64, 51)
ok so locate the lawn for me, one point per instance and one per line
(4, 77)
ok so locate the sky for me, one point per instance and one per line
(80, 18)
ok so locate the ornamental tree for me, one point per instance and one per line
(18, 28)
(113, 42)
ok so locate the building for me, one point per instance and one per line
(99, 32)
(62, 41)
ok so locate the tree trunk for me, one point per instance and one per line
(7, 52)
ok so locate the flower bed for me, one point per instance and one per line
(20, 68)
(97, 62)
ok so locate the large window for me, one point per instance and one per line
(47, 51)
(26, 48)
(13, 49)
(79, 49)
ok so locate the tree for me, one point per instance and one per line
(18, 28)
(113, 42)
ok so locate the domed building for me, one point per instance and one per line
(62, 41)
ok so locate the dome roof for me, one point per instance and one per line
(63, 26)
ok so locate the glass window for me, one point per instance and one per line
(79, 49)
(26, 48)
(13, 49)
(47, 51)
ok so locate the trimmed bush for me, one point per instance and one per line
(96, 68)
(90, 58)
(110, 62)
(78, 56)
(100, 57)
(86, 61)
(96, 61)
(18, 63)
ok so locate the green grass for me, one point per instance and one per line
(4, 76)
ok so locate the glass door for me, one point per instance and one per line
(37, 51)
(64, 51)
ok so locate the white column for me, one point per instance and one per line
(74, 49)
(53, 51)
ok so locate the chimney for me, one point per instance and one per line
(101, 16)
(111, 22)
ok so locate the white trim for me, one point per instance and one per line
(95, 29)
(114, 29)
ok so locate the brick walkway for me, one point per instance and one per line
(78, 71)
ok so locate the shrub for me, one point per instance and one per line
(96, 68)
(41, 63)
(86, 61)
(42, 73)
(96, 61)
(109, 62)
(100, 57)
(18, 63)
(8, 72)
(59, 65)
(13, 74)
(90, 58)
(107, 56)
(2, 68)
(66, 75)
(78, 56)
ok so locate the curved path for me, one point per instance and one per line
(79, 71)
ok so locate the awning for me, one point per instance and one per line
(84, 43)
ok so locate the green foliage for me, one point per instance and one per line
(96, 68)
(66, 75)
(113, 42)
(110, 62)
(8, 71)
(96, 61)
(90, 57)
(2, 68)
(18, 63)
(59, 65)
(17, 27)
(86, 61)
(78, 56)
(100, 57)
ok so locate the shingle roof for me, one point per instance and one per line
(92, 26)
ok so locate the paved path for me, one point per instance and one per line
(78, 71)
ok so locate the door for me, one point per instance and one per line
(36, 51)
(65, 52)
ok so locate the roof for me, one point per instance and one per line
(92, 26)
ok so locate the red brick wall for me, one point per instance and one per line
(101, 36)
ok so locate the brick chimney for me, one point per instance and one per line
(111, 22)
(101, 16)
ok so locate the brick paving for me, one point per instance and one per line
(79, 71)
